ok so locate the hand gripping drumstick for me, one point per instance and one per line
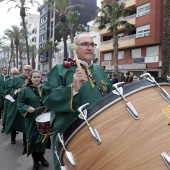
(73, 48)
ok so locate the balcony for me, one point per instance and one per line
(124, 42)
(131, 19)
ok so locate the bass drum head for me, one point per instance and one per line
(127, 144)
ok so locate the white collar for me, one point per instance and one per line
(85, 63)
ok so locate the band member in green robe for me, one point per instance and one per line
(66, 88)
(14, 72)
(3, 78)
(14, 120)
(30, 105)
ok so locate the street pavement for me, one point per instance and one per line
(11, 157)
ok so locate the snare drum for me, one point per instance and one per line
(127, 144)
(43, 123)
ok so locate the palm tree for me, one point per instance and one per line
(166, 39)
(33, 52)
(22, 4)
(18, 35)
(8, 36)
(113, 13)
(62, 7)
(81, 28)
(72, 18)
(49, 47)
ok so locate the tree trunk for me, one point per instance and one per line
(72, 34)
(65, 42)
(12, 53)
(22, 14)
(166, 39)
(115, 48)
(50, 60)
(17, 56)
(33, 62)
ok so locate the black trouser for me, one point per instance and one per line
(24, 139)
(13, 135)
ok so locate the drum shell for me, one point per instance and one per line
(126, 143)
(44, 127)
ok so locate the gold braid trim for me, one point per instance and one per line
(89, 72)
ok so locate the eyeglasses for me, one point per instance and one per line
(15, 73)
(86, 44)
(27, 70)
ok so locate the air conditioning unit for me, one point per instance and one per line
(105, 63)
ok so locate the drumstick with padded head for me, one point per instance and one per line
(73, 48)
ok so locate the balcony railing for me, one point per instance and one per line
(119, 39)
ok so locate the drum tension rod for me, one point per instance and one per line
(93, 132)
(163, 92)
(61, 166)
(119, 91)
(166, 159)
(68, 154)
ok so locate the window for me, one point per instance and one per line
(107, 56)
(121, 55)
(152, 51)
(143, 31)
(143, 9)
(136, 53)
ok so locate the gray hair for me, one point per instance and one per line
(12, 70)
(77, 37)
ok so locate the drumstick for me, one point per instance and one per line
(39, 107)
(73, 48)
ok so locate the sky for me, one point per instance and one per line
(12, 17)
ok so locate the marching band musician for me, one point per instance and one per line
(67, 87)
(28, 100)
(14, 119)
(14, 72)
(3, 78)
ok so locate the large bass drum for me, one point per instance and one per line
(127, 144)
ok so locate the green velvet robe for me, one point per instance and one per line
(14, 119)
(27, 99)
(57, 95)
(6, 101)
(2, 84)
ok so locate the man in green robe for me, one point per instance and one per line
(14, 120)
(66, 88)
(14, 72)
(3, 78)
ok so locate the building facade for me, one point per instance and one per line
(49, 18)
(140, 51)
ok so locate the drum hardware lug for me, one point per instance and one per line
(93, 132)
(132, 111)
(85, 114)
(129, 108)
(163, 92)
(166, 159)
(61, 166)
(68, 154)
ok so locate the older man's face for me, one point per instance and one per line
(27, 70)
(86, 47)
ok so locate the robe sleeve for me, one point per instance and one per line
(57, 91)
(21, 104)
